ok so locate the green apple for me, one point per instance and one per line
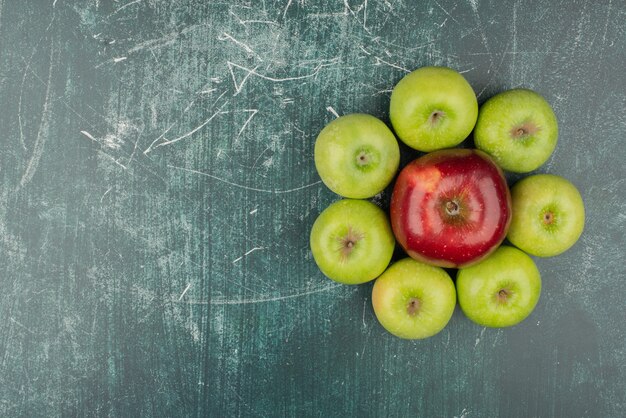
(500, 291)
(518, 129)
(352, 241)
(413, 300)
(433, 108)
(356, 156)
(548, 215)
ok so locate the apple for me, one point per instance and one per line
(548, 215)
(433, 108)
(451, 208)
(413, 300)
(352, 241)
(501, 290)
(518, 129)
(356, 156)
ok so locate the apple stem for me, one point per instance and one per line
(362, 158)
(548, 218)
(413, 306)
(436, 116)
(452, 208)
(523, 130)
(348, 241)
(503, 295)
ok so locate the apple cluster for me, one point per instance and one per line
(450, 208)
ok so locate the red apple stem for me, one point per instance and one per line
(452, 208)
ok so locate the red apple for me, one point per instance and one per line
(451, 208)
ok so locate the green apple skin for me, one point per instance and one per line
(518, 128)
(352, 241)
(548, 215)
(356, 156)
(413, 300)
(433, 108)
(500, 291)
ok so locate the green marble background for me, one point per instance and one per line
(157, 188)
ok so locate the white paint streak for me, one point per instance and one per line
(105, 193)
(252, 113)
(365, 15)
(363, 6)
(263, 299)
(447, 13)
(112, 141)
(606, 24)
(363, 318)
(287, 8)
(497, 69)
(44, 128)
(193, 131)
(254, 189)
(513, 66)
(238, 86)
(246, 47)
(113, 159)
(326, 15)
(266, 22)
(109, 141)
(132, 155)
(382, 61)
(1, 4)
(247, 253)
(479, 337)
(88, 135)
(483, 36)
(184, 291)
(152, 44)
(385, 91)
(152, 145)
(260, 155)
(464, 413)
(16, 322)
(245, 22)
(512, 53)
(123, 7)
(27, 70)
(333, 111)
(249, 72)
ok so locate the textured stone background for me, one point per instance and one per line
(157, 189)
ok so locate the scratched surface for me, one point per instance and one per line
(157, 189)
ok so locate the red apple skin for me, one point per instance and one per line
(457, 234)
